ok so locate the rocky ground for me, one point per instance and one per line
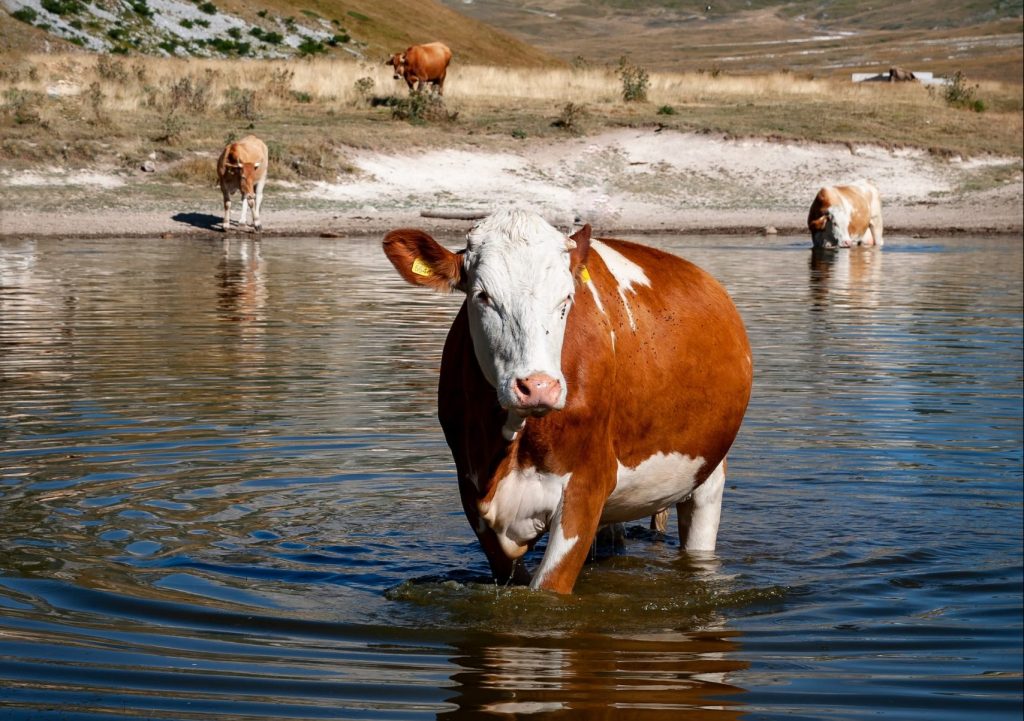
(622, 181)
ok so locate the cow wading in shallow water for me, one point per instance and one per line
(845, 215)
(583, 382)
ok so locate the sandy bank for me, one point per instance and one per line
(624, 181)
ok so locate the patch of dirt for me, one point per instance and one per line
(622, 181)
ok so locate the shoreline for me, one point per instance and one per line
(624, 182)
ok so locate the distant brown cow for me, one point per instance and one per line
(900, 75)
(422, 64)
(242, 168)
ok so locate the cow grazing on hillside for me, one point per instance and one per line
(422, 64)
(582, 383)
(242, 168)
(843, 215)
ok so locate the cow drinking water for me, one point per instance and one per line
(844, 215)
(583, 382)
(242, 168)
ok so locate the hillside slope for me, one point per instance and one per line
(364, 29)
(820, 37)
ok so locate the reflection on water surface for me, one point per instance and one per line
(223, 491)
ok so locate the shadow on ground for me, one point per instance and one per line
(205, 221)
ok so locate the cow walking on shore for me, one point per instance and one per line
(242, 168)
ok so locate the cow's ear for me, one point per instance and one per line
(421, 260)
(579, 249)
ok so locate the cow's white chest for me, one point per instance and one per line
(659, 481)
(522, 507)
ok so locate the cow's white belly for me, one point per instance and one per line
(661, 480)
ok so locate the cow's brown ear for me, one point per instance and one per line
(578, 254)
(421, 260)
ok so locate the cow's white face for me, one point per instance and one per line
(519, 286)
(836, 228)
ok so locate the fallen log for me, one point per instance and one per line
(454, 214)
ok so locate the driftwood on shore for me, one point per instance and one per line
(454, 214)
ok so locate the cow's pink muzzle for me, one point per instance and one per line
(536, 394)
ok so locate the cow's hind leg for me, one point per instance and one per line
(699, 514)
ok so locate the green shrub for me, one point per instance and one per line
(142, 9)
(62, 7)
(207, 7)
(635, 81)
(26, 15)
(960, 94)
(422, 107)
(666, 110)
(311, 46)
(571, 118)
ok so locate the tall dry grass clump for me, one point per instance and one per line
(80, 106)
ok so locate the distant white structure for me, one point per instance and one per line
(925, 78)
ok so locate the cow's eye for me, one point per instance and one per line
(482, 298)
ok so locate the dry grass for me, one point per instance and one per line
(80, 109)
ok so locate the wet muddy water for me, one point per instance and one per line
(224, 494)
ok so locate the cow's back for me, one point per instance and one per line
(429, 61)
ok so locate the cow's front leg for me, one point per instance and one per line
(258, 204)
(570, 535)
(504, 569)
(226, 226)
(246, 202)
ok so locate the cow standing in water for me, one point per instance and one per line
(242, 168)
(582, 383)
(844, 215)
(422, 64)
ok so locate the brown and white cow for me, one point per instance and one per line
(583, 382)
(844, 215)
(242, 168)
(422, 64)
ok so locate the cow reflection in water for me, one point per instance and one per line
(851, 278)
(655, 677)
(241, 284)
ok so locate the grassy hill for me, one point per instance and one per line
(982, 38)
(816, 38)
(363, 29)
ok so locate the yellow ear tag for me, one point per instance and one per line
(421, 268)
(584, 275)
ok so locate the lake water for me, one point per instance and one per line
(224, 494)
